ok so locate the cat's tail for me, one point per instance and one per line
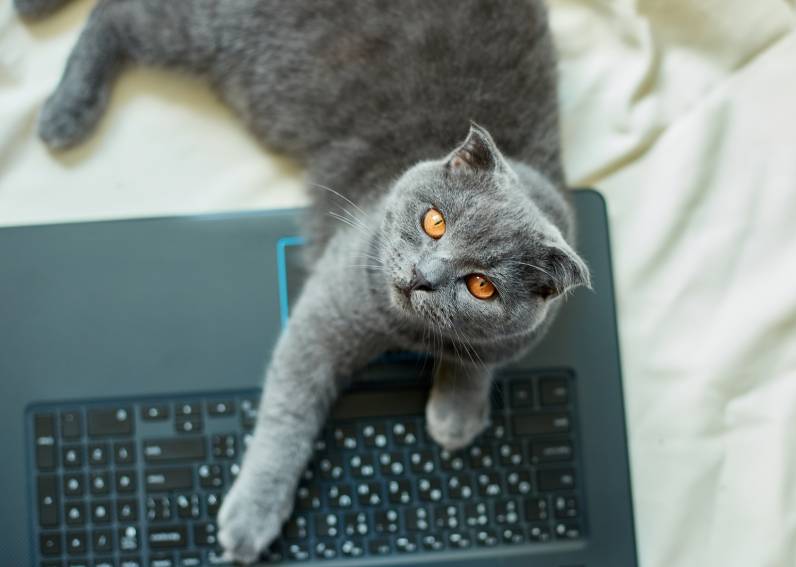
(174, 33)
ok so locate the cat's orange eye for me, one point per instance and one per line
(480, 287)
(434, 223)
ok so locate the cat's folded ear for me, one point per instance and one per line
(564, 271)
(478, 152)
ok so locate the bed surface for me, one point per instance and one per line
(682, 113)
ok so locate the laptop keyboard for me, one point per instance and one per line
(138, 482)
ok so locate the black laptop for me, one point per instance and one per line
(131, 357)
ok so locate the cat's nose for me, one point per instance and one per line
(419, 282)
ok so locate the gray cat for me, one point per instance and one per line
(433, 244)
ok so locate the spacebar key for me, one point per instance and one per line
(168, 537)
(174, 449)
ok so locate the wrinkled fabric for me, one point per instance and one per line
(682, 113)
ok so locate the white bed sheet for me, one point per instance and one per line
(683, 114)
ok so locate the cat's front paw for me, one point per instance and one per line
(454, 426)
(251, 517)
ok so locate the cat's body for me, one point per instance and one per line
(374, 99)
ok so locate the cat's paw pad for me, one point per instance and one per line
(454, 427)
(250, 519)
(67, 117)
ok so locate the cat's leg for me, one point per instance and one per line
(322, 343)
(37, 8)
(155, 32)
(458, 407)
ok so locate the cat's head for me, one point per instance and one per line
(468, 251)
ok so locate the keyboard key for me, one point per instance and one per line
(541, 424)
(71, 425)
(110, 421)
(162, 480)
(460, 486)
(188, 506)
(205, 534)
(298, 551)
(126, 481)
(486, 537)
(168, 537)
(422, 461)
(186, 409)
(392, 463)
(100, 483)
(221, 408)
(405, 543)
(50, 543)
(155, 412)
(507, 512)
(429, 488)
(459, 539)
(521, 393)
(127, 510)
(379, 546)
(326, 549)
(551, 451)
(75, 513)
(98, 454)
(352, 547)
(190, 559)
(124, 453)
(447, 517)
(44, 433)
(554, 391)
(481, 457)
(224, 446)
(417, 519)
(104, 562)
(510, 454)
(374, 435)
(405, 433)
(132, 561)
(399, 491)
(565, 506)
(538, 532)
(488, 484)
(356, 524)
(47, 498)
(309, 497)
(213, 502)
(369, 494)
(297, 527)
(556, 479)
(432, 542)
(188, 424)
(102, 541)
(512, 534)
(76, 543)
(518, 482)
(129, 539)
(211, 476)
(248, 413)
(339, 495)
(386, 521)
(101, 512)
(74, 484)
(345, 436)
(174, 449)
(158, 508)
(326, 524)
(362, 466)
(567, 529)
(72, 457)
(161, 560)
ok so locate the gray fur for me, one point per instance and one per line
(374, 99)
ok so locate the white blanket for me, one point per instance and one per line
(682, 112)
